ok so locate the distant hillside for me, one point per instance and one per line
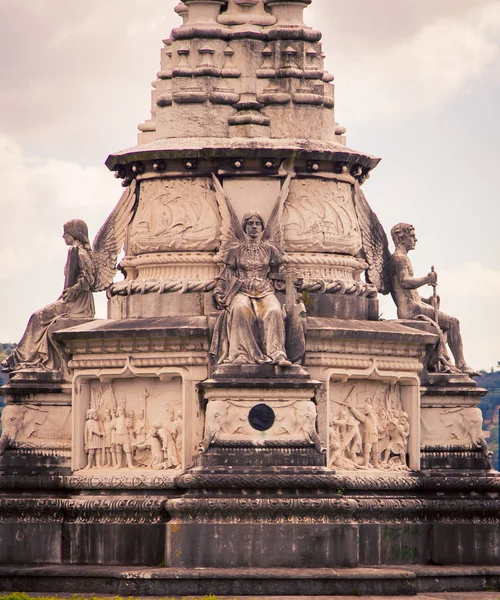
(490, 405)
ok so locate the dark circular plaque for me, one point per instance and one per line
(261, 417)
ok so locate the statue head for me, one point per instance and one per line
(253, 224)
(403, 234)
(78, 230)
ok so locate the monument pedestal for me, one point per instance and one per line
(259, 420)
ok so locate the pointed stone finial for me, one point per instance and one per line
(246, 12)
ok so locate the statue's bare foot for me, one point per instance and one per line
(469, 370)
(284, 362)
(4, 366)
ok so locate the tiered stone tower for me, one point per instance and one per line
(179, 472)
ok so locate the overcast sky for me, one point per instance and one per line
(417, 83)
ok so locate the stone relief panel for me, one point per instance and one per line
(452, 427)
(287, 421)
(35, 426)
(175, 214)
(319, 216)
(368, 427)
(134, 423)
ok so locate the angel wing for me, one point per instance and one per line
(109, 241)
(231, 232)
(375, 244)
(274, 228)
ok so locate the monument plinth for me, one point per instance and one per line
(243, 422)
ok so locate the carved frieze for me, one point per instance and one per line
(320, 217)
(30, 426)
(368, 427)
(175, 215)
(245, 420)
(452, 426)
(134, 423)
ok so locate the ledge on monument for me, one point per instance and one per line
(151, 327)
(379, 330)
(37, 382)
(240, 147)
(451, 384)
(400, 580)
(254, 375)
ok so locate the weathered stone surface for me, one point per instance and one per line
(194, 441)
(30, 543)
(113, 544)
(254, 546)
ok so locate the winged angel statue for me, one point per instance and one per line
(251, 330)
(374, 242)
(87, 270)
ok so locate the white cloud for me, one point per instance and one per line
(39, 196)
(419, 73)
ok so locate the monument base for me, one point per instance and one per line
(266, 531)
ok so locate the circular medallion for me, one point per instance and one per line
(261, 417)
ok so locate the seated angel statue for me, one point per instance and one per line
(37, 349)
(87, 270)
(252, 328)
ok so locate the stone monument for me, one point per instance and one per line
(243, 422)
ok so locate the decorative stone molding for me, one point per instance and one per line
(85, 510)
(332, 510)
(186, 286)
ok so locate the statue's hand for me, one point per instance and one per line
(69, 294)
(220, 300)
(432, 278)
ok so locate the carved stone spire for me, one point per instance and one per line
(241, 93)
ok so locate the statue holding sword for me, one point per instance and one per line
(411, 305)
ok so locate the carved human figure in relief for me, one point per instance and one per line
(252, 328)
(162, 434)
(153, 443)
(93, 439)
(398, 430)
(175, 430)
(122, 440)
(371, 454)
(107, 426)
(140, 427)
(411, 305)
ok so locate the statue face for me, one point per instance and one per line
(68, 238)
(410, 240)
(253, 227)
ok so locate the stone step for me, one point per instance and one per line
(379, 581)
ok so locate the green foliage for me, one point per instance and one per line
(490, 405)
